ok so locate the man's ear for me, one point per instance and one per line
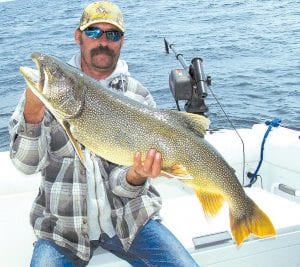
(78, 37)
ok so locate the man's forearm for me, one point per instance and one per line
(34, 109)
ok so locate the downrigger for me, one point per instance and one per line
(189, 84)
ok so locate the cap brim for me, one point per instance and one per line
(82, 28)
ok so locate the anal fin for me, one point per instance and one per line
(211, 202)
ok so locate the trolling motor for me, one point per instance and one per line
(189, 83)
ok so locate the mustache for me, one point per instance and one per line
(102, 49)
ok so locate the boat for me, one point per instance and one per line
(276, 190)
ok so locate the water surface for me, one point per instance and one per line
(250, 48)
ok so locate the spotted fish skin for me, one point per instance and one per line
(115, 127)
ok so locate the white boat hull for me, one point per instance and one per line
(182, 213)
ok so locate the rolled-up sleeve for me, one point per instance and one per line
(121, 187)
(28, 144)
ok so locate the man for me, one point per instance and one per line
(79, 208)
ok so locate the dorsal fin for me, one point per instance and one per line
(196, 123)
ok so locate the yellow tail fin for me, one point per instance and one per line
(254, 222)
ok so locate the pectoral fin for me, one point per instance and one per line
(76, 146)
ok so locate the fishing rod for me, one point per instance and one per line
(190, 83)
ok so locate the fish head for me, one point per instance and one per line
(58, 85)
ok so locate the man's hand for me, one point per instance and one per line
(34, 109)
(138, 173)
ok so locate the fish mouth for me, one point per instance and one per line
(36, 79)
(31, 76)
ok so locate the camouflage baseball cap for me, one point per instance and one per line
(98, 12)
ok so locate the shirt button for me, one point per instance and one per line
(84, 221)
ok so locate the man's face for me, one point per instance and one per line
(99, 54)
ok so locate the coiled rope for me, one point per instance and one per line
(273, 123)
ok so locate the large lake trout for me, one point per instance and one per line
(116, 127)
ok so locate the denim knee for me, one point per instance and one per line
(154, 245)
(47, 254)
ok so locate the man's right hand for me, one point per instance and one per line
(34, 108)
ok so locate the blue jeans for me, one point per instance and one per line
(46, 253)
(154, 245)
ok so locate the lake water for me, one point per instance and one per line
(251, 49)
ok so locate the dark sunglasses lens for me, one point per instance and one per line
(93, 33)
(114, 36)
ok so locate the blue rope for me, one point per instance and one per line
(274, 123)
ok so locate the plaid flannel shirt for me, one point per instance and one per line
(59, 211)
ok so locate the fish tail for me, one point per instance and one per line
(255, 222)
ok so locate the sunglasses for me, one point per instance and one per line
(111, 35)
